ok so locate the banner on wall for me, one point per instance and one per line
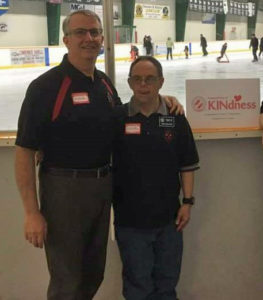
(223, 7)
(4, 6)
(27, 56)
(208, 18)
(55, 1)
(94, 2)
(151, 11)
(223, 103)
(98, 9)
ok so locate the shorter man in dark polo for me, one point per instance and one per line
(154, 156)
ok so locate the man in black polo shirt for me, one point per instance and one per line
(154, 155)
(68, 115)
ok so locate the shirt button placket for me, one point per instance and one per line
(148, 127)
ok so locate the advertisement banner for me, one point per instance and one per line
(151, 11)
(98, 9)
(55, 1)
(94, 2)
(4, 6)
(27, 56)
(209, 18)
(223, 103)
(239, 8)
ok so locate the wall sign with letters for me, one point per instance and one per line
(223, 103)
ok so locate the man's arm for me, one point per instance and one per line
(184, 212)
(35, 225)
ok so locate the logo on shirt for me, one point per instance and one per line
(133, 128)
(80, 98)
(166, 121)
(168, 136)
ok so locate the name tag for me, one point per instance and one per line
(133, 128)
(80, 98)
(166, 121)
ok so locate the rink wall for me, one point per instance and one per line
(223, 243)
(21, 57)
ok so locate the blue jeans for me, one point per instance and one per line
(151, 262)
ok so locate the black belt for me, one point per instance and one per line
(76, 173)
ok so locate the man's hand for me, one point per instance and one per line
(35, 229)
(183, 216)
(174, 105)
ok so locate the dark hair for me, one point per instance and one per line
(84, 12)
(151, 59)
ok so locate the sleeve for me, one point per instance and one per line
(115, 96)
(188, 155)
(31, 119)
(261, 108)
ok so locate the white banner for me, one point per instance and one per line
(55, 1)
(27, 56)
(223, 103)
(151, 11)
(95, 8)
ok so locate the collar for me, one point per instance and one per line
(74, 72)
(134, 109)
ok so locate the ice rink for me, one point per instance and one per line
(14, 82)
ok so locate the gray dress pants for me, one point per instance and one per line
(77, 212)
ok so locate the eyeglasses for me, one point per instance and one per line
(150, 80)
(82, 32)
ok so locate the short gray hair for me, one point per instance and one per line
(84, 12)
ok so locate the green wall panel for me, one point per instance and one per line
(180, 18)
(53, 22)
(128, 12)
(220, 27)
(251, 21)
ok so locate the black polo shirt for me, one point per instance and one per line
(81, 135)
(149, 154)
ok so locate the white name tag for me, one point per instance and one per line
(133, 128)
(80, 98)
(166, 121)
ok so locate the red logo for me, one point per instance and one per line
(237, 97)
(199, 104)
(168, 135)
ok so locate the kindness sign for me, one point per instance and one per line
(223, 103)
